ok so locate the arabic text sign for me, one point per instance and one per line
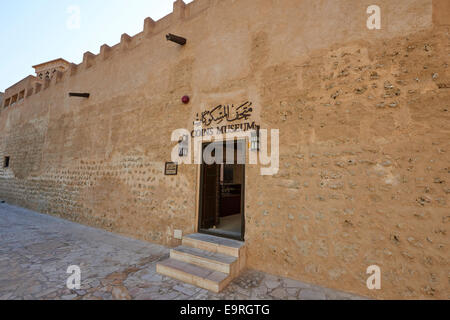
(228, 113)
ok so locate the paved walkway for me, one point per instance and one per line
(36, 250)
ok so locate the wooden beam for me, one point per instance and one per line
(180, 40)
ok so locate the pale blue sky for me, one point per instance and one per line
(35, 31)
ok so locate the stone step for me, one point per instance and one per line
(214, 244)
(206, 259)
(208, 279)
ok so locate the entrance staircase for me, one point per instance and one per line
(205, 261)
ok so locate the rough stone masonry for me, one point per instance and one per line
(364, 120)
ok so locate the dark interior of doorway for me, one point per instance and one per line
(222, 190)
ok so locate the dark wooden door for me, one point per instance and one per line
(210, 197)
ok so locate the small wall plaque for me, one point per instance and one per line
(171, 169)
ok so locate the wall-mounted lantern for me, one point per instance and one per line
(183, 146)
(254, 140)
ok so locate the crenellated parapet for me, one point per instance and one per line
(149, 26)
(181, 12)
(88, 60)
(105, 51)
(73, 69)
(179, 9)
(18, 92)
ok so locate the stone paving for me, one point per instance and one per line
(36, 250)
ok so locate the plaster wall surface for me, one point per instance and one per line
(364, 125)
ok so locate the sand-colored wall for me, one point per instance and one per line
(364, 125)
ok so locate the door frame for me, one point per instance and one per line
(200, 203)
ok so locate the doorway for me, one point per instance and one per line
(222, 189)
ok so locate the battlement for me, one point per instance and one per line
(19, 91)
(151, 28)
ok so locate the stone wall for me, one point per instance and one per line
(364, 168)
(363, 118)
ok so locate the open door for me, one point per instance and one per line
(210, 208)
(222, 190)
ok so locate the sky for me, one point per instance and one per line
(36, 31)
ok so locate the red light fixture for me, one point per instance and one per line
(185, 99)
